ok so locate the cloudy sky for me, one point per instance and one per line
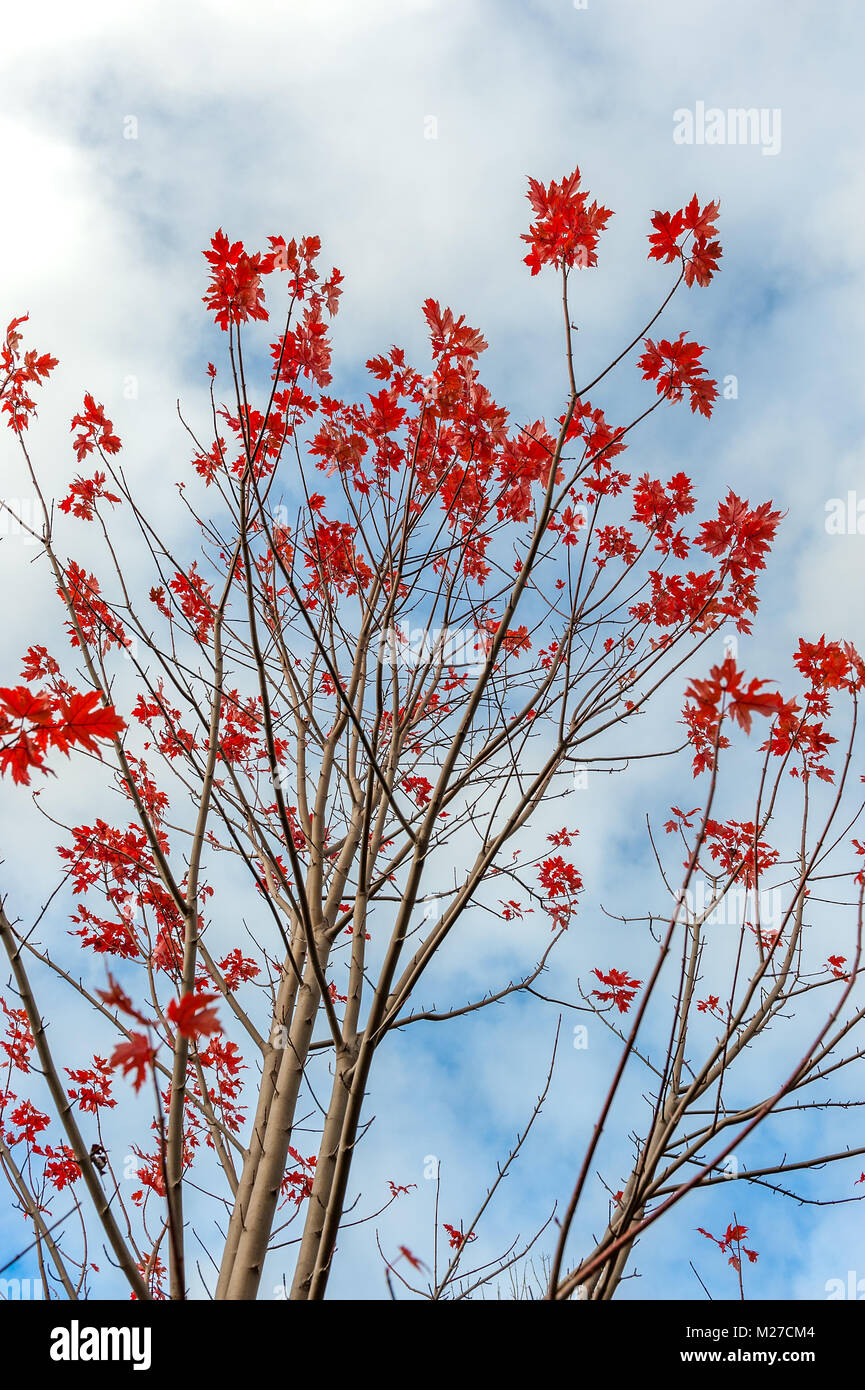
(401, 132)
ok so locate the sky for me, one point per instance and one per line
(401, 132)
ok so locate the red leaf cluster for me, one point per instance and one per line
(97, 432)
(566, 227)
(32, 722)
(669, 241)
(675, 368)
(733, 1236)
(622, 989)
(17, 375)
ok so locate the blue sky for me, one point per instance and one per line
(294, 119)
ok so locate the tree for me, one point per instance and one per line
(342, 692)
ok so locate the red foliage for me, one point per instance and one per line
(566, 227)
(456, 1238)
(17, 375)
(297, 1182)
(561, 883)
(83, 495)
(94, 1086)
(669, 241)
(97, 432)
(733, 1236)
(192, 1016)
(31, 723)
(134, 1056)
(724, 694)
(622, 989)
(416, 446)
(675, 368)
(235, 291)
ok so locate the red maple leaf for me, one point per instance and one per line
(192, 1015)
(135, 1055)
(83, 720)
(702, 223)
(22, 703)
(752, 700)
(664, 241)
